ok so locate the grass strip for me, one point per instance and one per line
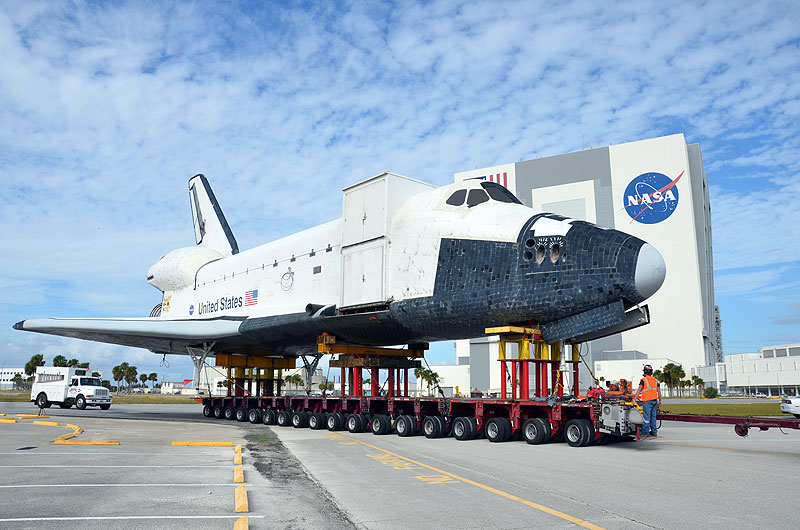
(724, 409)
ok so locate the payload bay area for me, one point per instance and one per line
(696, 476)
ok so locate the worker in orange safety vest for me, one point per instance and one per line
(650, 394)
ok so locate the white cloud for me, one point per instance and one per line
(108, 109)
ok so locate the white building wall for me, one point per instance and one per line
(7, 376)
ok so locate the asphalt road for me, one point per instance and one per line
(696, 476)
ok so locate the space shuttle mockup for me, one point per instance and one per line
(406, 263)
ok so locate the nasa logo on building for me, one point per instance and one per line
(651, 197)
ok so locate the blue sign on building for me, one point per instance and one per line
(651, 197)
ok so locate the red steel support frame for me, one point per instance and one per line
(343, 380)
(374, 387)
(405, 382)
(390, 383)
(503, 394)
(513, 380)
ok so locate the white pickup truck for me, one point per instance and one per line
(67, 386)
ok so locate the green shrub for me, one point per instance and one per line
(710, 393)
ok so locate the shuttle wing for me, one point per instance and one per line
(163, 336)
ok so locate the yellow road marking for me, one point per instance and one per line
(29, 416)
(11, 420)
(509, 496)
(238, 474)
(240, 499)
(753, 451)
(242, 523)
(52, 423)
(237, 459)
(86, 442)
(204, 444)
(238, 448)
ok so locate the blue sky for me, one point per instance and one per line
(107, 108)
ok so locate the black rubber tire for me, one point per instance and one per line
(431, 427)
(65, 405)
(381, 424)
(498, 430)
(442, 426)
(462, 429)
(219, 412)
(105, 407)
(355, 423)
(536, 431)
(366, 421)
(316, 421)
(284, 418)
(254, 416)
(575, 433)
(335, 421)
(41, 401)
(241, 414)
(229, 413)
(300, 419)
(588, 430)
(208, 411)
(405, 426)
(80, 402)
(269, 417)
(796, 415)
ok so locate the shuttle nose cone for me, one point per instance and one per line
(650, 271)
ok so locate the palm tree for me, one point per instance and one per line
(143, 378)
(30, 366)
(118, 374)
(130, 376)
(73, 362)
(294, 379)
(153, 377)
(59, 360)
(428, 376)
(697, 382)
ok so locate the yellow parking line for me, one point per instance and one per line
(537, 506)
(240, 499)
(242, 523)
(11, 420)
(52, 423)
(29, 416)
(86, 442)
(238, 474)
(203, 444)
(237, 459)
(238, 448)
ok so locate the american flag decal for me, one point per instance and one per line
(251, 297)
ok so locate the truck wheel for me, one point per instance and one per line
(355, 423)
(219, 412)
(381, 424)
(316, 421)
(284, 418)
(498, 430)
(241, 414)
(229, 413)
(80, 402)
(105, 407)
(588, 430)
(442, 426)
(576, 433)
(254, 416)
(208, 411)
(41, 401)
(300, 420)
(536, 431)
(335, 421)
(405, 426)
(462, 429)
(431, 427)
(269, 417)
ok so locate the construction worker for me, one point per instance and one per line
(651, 399)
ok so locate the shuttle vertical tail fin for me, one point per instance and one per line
(210, 227)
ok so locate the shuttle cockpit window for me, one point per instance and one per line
(476, 197)
(499, 193)
(457, 198)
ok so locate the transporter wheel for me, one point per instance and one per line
(219, 412)
(105, 407)
(229, 413)
(335, 421)
(366, 422)
(41, 401)
(208, 411)
(300, 419)
(381, 424)
(284, 418)
(269, 417)
(241, 414)
(316, 420)
(536, 431)
(588, 431)
(442, 426)
(498, 430)
(254, 416)
(462, 429)
(577, 432)
(355, 423)
(431, 427)
(80, 402)
(405, 426)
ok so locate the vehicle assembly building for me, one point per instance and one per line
(654, 189)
